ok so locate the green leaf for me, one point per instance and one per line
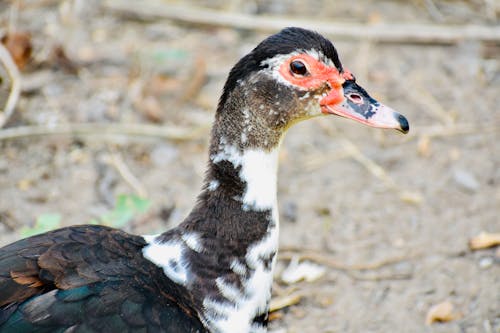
(49, 221)
(162, 55)
(141, 205)
(127, 207)
(44, 223)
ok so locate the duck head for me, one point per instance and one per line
(291, 76)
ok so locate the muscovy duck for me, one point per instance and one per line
(213, 272)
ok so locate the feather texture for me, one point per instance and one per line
(88, 279)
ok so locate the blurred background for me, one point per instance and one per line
(110, 125)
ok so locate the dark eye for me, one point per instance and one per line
(298, 67)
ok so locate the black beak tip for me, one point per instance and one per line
(403, 123)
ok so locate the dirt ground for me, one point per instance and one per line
(389, 216)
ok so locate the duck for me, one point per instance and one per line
(213, 272)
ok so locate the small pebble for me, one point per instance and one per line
(485, 262)
(441, 312)
(466, 180)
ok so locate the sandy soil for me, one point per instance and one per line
(394, 244)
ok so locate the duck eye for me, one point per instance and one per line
(298, 67)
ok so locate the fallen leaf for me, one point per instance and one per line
(484, 240)
(441, 312)
(19, 46)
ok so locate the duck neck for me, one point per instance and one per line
(239, 197)
(224, 251)
(235, 228)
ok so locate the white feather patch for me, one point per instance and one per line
(192, 240)
(238, 267)
(259, 170)
(229, 291)
(168, 256)
(213, 185)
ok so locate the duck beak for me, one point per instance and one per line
(359, 106)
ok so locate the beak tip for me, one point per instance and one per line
(403, 123)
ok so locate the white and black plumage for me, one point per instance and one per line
(212, 273)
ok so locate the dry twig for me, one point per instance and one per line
(117, 161)
(375, 169)
(281, 302)
(15, 86)
(423, 33)
(429, 103)
(288, 254)
(175, 133)
(368, 163)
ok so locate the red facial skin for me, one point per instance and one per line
(321, 79)
(347, 75)
(318, 75)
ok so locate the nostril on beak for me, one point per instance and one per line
(355, 98)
